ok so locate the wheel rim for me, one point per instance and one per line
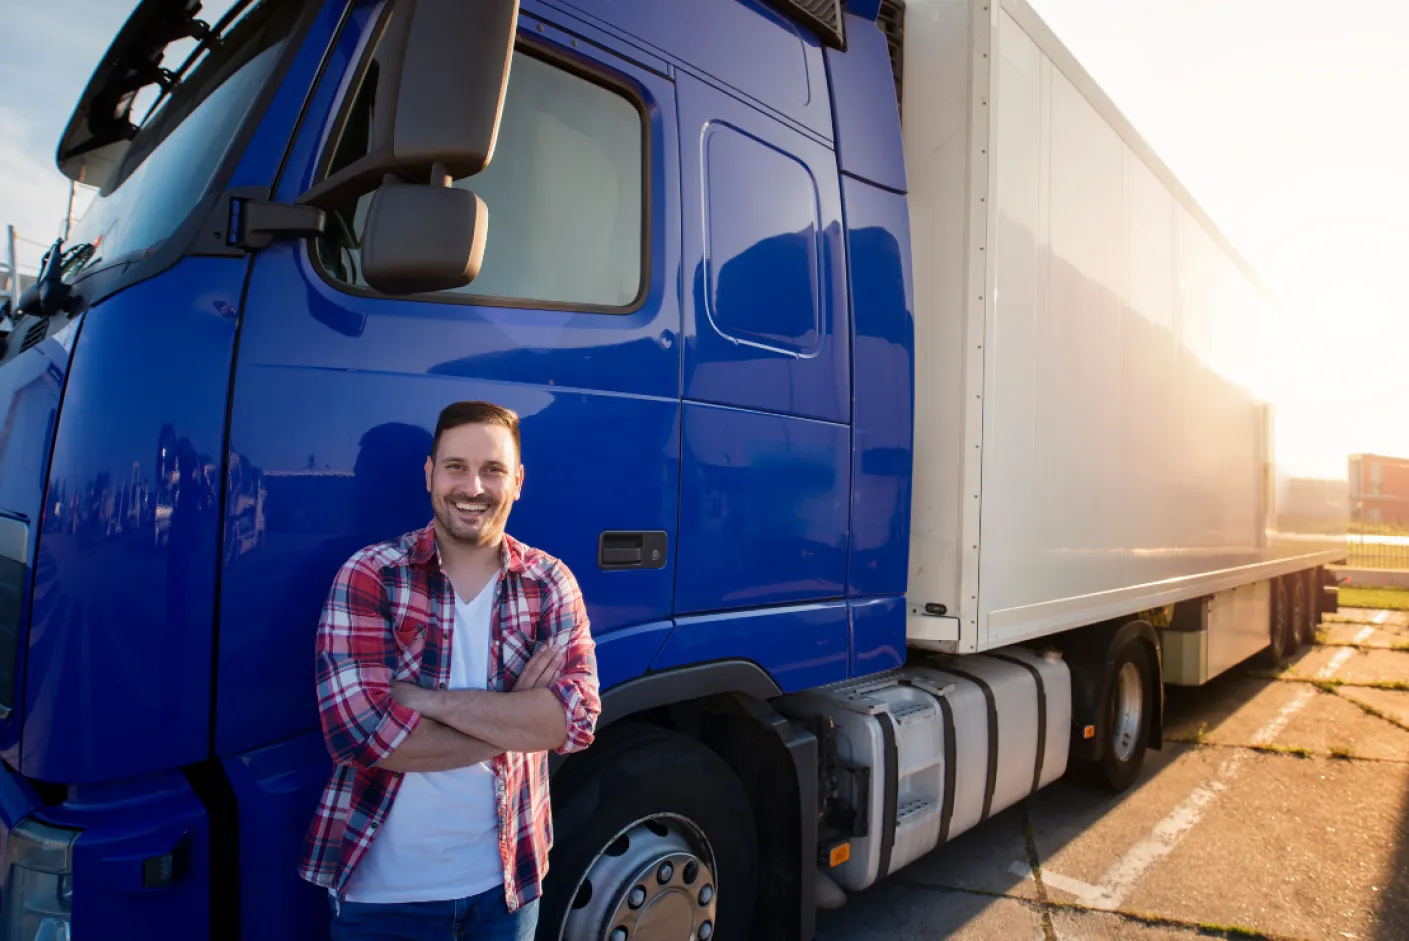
(655, 881)
(1129, 711)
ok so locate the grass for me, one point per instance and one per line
(1396, 599)
(1286, 750)
(1230, 931)
(1341, 752)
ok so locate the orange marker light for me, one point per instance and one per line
(841, 854)
(1089, 732)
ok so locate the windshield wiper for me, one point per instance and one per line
(208, 38)
(49, 294)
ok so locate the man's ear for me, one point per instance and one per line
(518, 483)
(430, 465)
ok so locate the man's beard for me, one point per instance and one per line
(492, 522)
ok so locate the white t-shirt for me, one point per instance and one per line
(440, 840)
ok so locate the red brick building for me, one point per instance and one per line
(1379, 490)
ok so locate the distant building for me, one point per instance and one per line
(1312, 505)
(1379, 490)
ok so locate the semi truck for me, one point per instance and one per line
(923, 514)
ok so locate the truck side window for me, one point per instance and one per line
(564, 191)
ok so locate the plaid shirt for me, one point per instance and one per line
(390, 616)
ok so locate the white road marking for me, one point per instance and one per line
(1081, 890)
(1336, 662)
(1380, 618)
(1272, 729)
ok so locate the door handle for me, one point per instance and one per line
(631, 550)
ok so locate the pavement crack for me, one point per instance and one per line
(1049, 907)
(1049, 932)
(1296, 752)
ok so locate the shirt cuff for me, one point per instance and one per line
(578, 727)
(391, 730)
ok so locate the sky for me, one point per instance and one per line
(1284, 118)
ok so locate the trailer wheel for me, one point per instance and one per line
(1281, 630)
(1305, 614)
(655, 839)
(1128, 714)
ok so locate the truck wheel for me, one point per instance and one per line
(1305, 615)
(655, 839)
(1127, 718)
(1281, 632)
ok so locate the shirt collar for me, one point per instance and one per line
(423, 551)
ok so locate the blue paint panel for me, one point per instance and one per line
(763, 269)
(800, 647)
(877, 635)
(879, 252)
(864, 106)
(541, 16)
(336, 396)
(118, 679)
(865, 9)
(367, 436)
(277, 790)
(743, 44)
(755, 191)
(626, 654)
(260, 162)
(124, 824)
(763, 507)
(31, 385)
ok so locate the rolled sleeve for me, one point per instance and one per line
(362, 722)
(576, 687)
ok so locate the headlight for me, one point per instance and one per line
(38, 900)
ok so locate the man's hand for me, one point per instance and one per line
(542, 668)
(540, 671)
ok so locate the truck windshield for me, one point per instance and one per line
(178, 149)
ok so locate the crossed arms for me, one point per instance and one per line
(461, 727)
(372, 721)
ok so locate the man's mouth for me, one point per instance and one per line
(472, 507)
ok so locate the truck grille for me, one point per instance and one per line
(891, 22)
(822, 16)
(14, 540)
(35, 334)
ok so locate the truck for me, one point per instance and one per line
(923, 514)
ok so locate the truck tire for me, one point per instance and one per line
(1305, 613)
(1281, 632)
(655, 839)
(1128, 711)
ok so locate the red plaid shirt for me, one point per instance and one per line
(389, 617)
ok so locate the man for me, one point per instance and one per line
(449, 661)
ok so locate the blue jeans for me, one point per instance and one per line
(482, 917)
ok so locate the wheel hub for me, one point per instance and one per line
(1129, 709)
(654, 882)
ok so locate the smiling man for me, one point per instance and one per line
(449, 662)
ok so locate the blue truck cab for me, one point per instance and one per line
(694, 290)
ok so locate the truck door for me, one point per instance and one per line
(765, 477)
(573, 322)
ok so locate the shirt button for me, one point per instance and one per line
(442, 686)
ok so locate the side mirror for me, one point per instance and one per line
(443, 66)
(423, 238)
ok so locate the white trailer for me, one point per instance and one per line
(1096, 376)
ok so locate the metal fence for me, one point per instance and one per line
(1377, 546)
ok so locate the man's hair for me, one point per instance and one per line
(477, 413)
